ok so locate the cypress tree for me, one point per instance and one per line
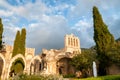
(16, 47)
(104, 40)
(19, 48)
(19, 43)
(1, 32)
(23, 38)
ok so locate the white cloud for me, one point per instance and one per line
(48, 34)
(4, 4)
(5, 13)
(85, 29)
(31, 11)
(49, 29)
(9, 34)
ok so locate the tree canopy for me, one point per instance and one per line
(19, 43)
(22, 41)
(104, 40)
(1, 32)
(19, 48)
(16, 48)
(84, 60)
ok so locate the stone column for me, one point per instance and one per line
(37, 67)
(71, 42)
(78, 43)
(41, 65)
(52, 68)
(31, 68)
(68, 41)
(74, 42)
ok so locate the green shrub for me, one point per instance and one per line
(69, 76)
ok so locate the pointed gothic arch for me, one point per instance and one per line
(63, 66)
(35, 65)
(13, 59)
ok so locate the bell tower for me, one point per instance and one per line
(72, 44)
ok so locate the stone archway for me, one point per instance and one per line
(2, 66)
(35, 65)
(13, 59)
(64, 67)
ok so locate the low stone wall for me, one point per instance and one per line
(114, 69)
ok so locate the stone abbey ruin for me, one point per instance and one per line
(48, 62)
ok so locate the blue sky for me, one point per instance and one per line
(47, 21)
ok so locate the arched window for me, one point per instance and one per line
(68, 41)
(76, 42)
(71, 42)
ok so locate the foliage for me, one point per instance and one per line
(1, 32)
(19, 48)
(69, 76)
(19, 43)
(104, 40)
(114, 54)
(37, 77)
(17, 66)
(16, 48)
(83, 61)
(22, 41)
(109, 77)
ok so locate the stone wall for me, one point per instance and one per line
(58, 60)
(47, 62)
(113, 70)
(7, 59)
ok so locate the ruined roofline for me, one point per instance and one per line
(71, 35)
(27, 50)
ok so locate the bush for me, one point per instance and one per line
(69, 76)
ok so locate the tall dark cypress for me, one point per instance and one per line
(1, 32)
(19, 48)
(104, 40)
(19, 43)
(16, 47)
(23, 41)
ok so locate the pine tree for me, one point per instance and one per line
(1, 32)
(16, 47)
(104, 40)
(23, 38)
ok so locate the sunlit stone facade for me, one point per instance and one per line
(48, 62)
(58, 60)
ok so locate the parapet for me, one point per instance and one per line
(30, 51)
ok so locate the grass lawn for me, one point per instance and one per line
(109, 77)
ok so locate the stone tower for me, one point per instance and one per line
(72, 44)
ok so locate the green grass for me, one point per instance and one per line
(54, 77)
(109, 77)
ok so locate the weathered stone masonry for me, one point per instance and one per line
(48, 62)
